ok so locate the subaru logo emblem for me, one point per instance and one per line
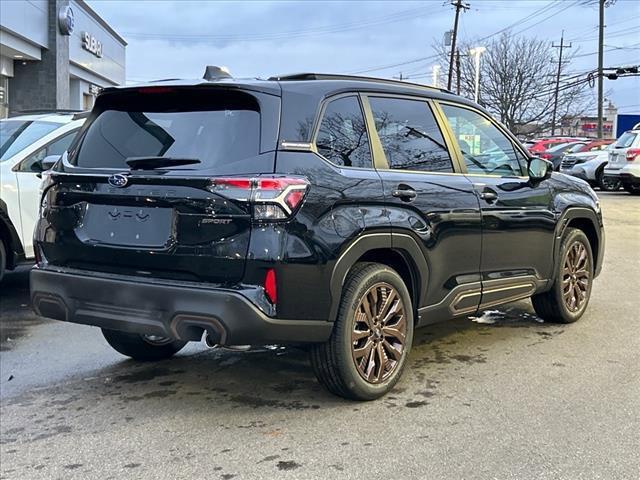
(118, 180)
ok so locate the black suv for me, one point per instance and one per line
(340, 212)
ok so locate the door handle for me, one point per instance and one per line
(404, 194)
(489, 196)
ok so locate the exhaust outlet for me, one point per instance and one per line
(209, 341)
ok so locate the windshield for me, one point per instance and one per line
(16, 135)
(576, 148)
(558, 147)
(221, 130)
(625, 140)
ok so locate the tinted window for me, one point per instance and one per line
(485, 149)
(58, 147)
(221, 129)
(16, 135)
(410, 135)
(342, 138)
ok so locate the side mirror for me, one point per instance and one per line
(48, 162)
(539, 169)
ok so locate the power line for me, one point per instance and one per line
(562, 46)
(307, 32)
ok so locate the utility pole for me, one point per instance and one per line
(458, 71)
(562, 46)
(459, 6)
(601, 5)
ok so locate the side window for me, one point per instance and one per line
(410, 135)
(486, 150)
(57, 147)
(342, 138)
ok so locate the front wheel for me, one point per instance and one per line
(608, 184)
(372, 336)
(568, 298)
(3, 259)
(146, 348)
(632, 189)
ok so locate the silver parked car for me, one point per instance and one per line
(589, 166)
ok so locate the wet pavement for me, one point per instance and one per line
(499, 396)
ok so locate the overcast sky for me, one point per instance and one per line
(169, 39)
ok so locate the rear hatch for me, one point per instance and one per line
(618, 154)
(136, 195)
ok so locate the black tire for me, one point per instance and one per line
(552, 305)
(334, 362)
(607, 184)
(3, 259)
(142, 348)
(632, 189)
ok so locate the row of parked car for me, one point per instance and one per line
(607, 163)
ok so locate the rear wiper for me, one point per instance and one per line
(150, 163)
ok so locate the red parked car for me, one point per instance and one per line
(544, 144)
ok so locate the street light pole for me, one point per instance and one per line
(476, 52)
(435, 75)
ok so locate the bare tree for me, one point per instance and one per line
(517, 81)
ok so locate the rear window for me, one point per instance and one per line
(219, 128)
(16, 135)
(625, 140)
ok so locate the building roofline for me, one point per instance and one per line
(101, 21)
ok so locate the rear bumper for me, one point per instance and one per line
(628, 175)
(170, 310)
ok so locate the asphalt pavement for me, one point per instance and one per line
(503, 397)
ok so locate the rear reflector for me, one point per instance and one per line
(270, 288)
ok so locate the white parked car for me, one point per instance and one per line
(624, 161)
(25, 142)
(589, 166)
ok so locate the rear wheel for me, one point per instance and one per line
(568, 298)
(608, 184)
(372, 336)
(632, 189)
(145, 348)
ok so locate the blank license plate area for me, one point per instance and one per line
(126, 226)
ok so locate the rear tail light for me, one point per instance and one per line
(632, 154)
(272, 198)
(546, 156)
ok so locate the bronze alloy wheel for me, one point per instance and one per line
(576, 277)
(379, 333)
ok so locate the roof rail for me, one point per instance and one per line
(332, 76)
(43, 111)
(81, 115)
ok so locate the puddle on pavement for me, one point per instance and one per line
(510, 316)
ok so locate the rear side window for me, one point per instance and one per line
(625, 140)
(342, 138)
(410, 135)
(16, 135)
(219, 128)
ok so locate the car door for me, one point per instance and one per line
(29, 181)
(518, 221)
(428, 202)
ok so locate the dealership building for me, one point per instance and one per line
(56, 55)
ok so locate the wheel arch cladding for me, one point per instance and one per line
(588, 222)
(586, 225)
(407, 259)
